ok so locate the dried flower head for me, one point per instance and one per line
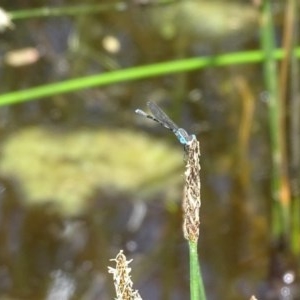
(122, 280)
(191, 199)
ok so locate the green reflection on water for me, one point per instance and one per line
(67, 167)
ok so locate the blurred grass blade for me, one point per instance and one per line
(137, 73)
(65, 10)
(280, 208)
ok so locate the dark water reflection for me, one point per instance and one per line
(48, 255)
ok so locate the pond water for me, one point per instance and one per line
(82, 176)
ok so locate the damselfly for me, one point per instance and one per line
(159, 116)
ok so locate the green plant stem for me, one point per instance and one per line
(280, 213)
(196, 281)
(57, 11)
(51, 11)
(136, 73)
(296, 227)
(295, 134)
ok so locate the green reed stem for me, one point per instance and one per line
(51, 11)
(295, 130)
(58, 11)
(280, 212)
(137, 73)
(196, 281)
